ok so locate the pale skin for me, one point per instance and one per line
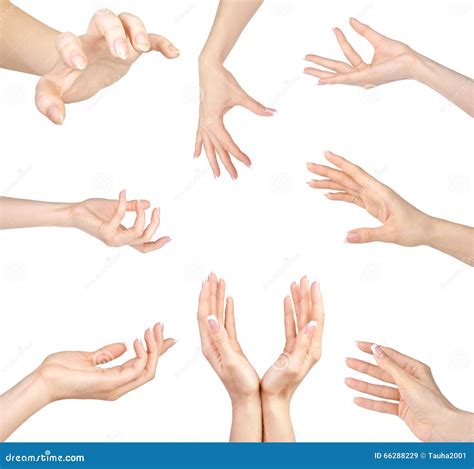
(402, 223)
(74, 68)
(80, 375)
(260, 408)
(101, 218)
(220, 91)
(392, 61)
(410, 392)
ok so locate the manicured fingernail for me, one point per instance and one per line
(269, 110)
(334, 30)
(168, 240)
(174, 50)
(213, 323)
(352, 237)
(55, 115)
(311, 326)
(158, 211)
(78, 61)
(173, 342)
(317, 81)
(377, 351)
(142, 42)
(121, 48)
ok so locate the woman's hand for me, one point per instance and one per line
(222, 350)
(95, 60)
(220, 92)
(102, 219)
(392, 61)
(219, 341)
(403, 224)
(303, 341)
(416, 398)
(78, 375)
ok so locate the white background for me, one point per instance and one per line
(61, 289)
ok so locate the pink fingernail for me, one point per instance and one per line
(121, 48)
(142, 42)
(78, 62)
(352, 237)
(55, 115)
(377, 351)
(213, 323)
(311, 326)
(269, 110)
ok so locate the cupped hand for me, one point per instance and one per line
(102, 219)
(415, 396)
(79, 375)
(392, 61)
(220, 92)
(219, 341)
(403, 224)
(303, 341)
(95, 60)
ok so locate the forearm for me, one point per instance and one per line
(26, 44)
(453, 239)
(246, 420)
(457, 88)
(231, 19)
(19, 403)
(19, 213)
(277, 426)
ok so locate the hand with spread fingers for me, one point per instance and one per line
(100, 218)
(402, 223)
(392, 61)
(222, 350)
(304, 324)
(413, 395)
(95, 60)
(79, 375)
(220, 91)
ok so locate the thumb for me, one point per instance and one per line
(303, 341)
(365, 235)
(400, 376)
(218, 334)
(256, 107)
(49, 102)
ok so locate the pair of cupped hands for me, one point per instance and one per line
(407, 390)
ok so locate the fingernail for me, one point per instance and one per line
(269, 110)
(121, 48)
(377, 351)
(327, 194)
(311, 326)
(173, 342)
(334, 30)
(142, 42)
(55, 115)
(158, 211)
(352, 237)
(175, 51)
(213, 323)
(78, 61)
(317, 81)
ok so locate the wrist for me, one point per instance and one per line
(420, 67)
(210, 59)
(280, 401)
(246, 401)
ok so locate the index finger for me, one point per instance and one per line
(354, 171)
